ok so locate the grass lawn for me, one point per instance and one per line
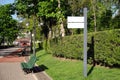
(61, 69)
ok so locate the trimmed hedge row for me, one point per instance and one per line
(103, 47)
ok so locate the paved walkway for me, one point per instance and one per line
(13, 71)
(7, 51)
(11, 55)
(10, 68)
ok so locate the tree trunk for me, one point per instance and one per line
(62, 30)
(94, 12)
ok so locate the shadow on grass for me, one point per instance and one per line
(91, 55)
(39, 68)
(90, 71)
(38, 49)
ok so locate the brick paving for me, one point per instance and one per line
(10, 55)
(10, 68)
(13, 71)
(11, 59)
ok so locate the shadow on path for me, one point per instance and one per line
(39, 68)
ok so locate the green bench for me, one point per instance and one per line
(28, 66)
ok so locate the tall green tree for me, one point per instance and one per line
(53, 13)
(28, 9)
(8, 26)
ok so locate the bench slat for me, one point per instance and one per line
(30, 63)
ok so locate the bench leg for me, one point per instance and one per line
(28, 71)
(25, 71)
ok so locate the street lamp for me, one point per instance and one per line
(34, 20)
(34, 31)
(34, 36)
(40, 24)
(27, 24)
(34, 26)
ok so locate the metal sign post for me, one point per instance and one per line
(80, 22)
(85, 42)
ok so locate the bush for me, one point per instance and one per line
(103, 47)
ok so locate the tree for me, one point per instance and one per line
(8, 26)
(96, 10)
(53, 14)
(28, 9)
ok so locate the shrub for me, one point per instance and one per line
(103, 47)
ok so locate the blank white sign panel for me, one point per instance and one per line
(75, 25)
(75, 19)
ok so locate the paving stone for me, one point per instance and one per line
(13, 71)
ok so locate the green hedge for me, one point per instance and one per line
(103, 47)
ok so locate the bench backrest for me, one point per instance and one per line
(32, 60)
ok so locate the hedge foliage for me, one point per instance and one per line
(103, 47)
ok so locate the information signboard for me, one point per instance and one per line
(80, 22)
(75, 22)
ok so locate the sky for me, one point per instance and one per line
(3, 2)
